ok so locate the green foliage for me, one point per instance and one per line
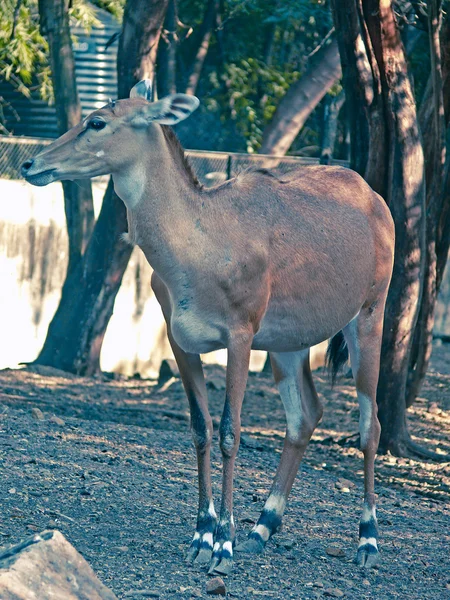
(250, 93)
(115, 7)
(23, 53)
(23, 50)
(264, 48)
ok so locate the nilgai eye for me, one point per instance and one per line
(97, 124)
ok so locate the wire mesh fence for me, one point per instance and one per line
(211, 168)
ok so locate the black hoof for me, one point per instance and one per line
(222, 558)
(200, 550)
(251, 546)
(367, 556)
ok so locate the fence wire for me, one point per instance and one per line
(211, 168)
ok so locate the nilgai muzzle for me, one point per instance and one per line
(266, 261)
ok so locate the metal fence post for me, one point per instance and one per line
(229, 159)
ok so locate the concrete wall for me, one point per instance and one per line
(33, 259)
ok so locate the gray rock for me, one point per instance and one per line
(167, 370)
(47, 566)
(216, 587)
(333, 592)
(37, 414)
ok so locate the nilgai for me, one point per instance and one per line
(266, 261)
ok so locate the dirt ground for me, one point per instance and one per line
(118, 478)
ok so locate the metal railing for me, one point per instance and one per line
(210, 167)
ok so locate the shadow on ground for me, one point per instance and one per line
(117, 476)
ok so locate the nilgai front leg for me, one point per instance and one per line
(191, 372)
(230, 431)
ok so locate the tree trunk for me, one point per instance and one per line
(78, 202)
(76, 333)
(138, 43)
(360, 77)
(433, 117)
(404, 191)
(202, 39)
(395, 169)
(301, 99)
(269, 43)
(330, 122)
(167, 53)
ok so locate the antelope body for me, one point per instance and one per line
(276, 263)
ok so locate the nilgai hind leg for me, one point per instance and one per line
(363, 336)
(303, 411)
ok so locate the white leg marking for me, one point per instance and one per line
(211, 511)
(365, 417)
(289, 393)
(368, 513)
(196, 536)
(289, 364)
(262, 531)
(216, 547)
(275, 502)
(364, 401)
(229, 547)
(372, 541)
(208, 538)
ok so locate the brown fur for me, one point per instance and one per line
(264, 261)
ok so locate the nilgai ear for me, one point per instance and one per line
(143, 89)
(168, 111)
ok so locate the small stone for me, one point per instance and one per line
(52, 524)
(333, 551)
(286, 543)
(196, 594)
(57, 420)
(249, 520)
(215, 384)
(122, 548)
(344, 485)
(366, 582)
(216, 587)
(32, 527)
(167, 370)
(318, 584)
(333, 592)
(37, 414)
(12, 490)
(142, 594)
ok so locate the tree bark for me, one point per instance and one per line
(433, 120)
(404, 192)
(330, 123)
(269, 43)
(362, 85)
(167, 53)
(202, 40)
(76, 333)
(138, 43)
(78, 202)
(301, 99)
(395, 169)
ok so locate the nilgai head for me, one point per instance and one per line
(109, 139)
